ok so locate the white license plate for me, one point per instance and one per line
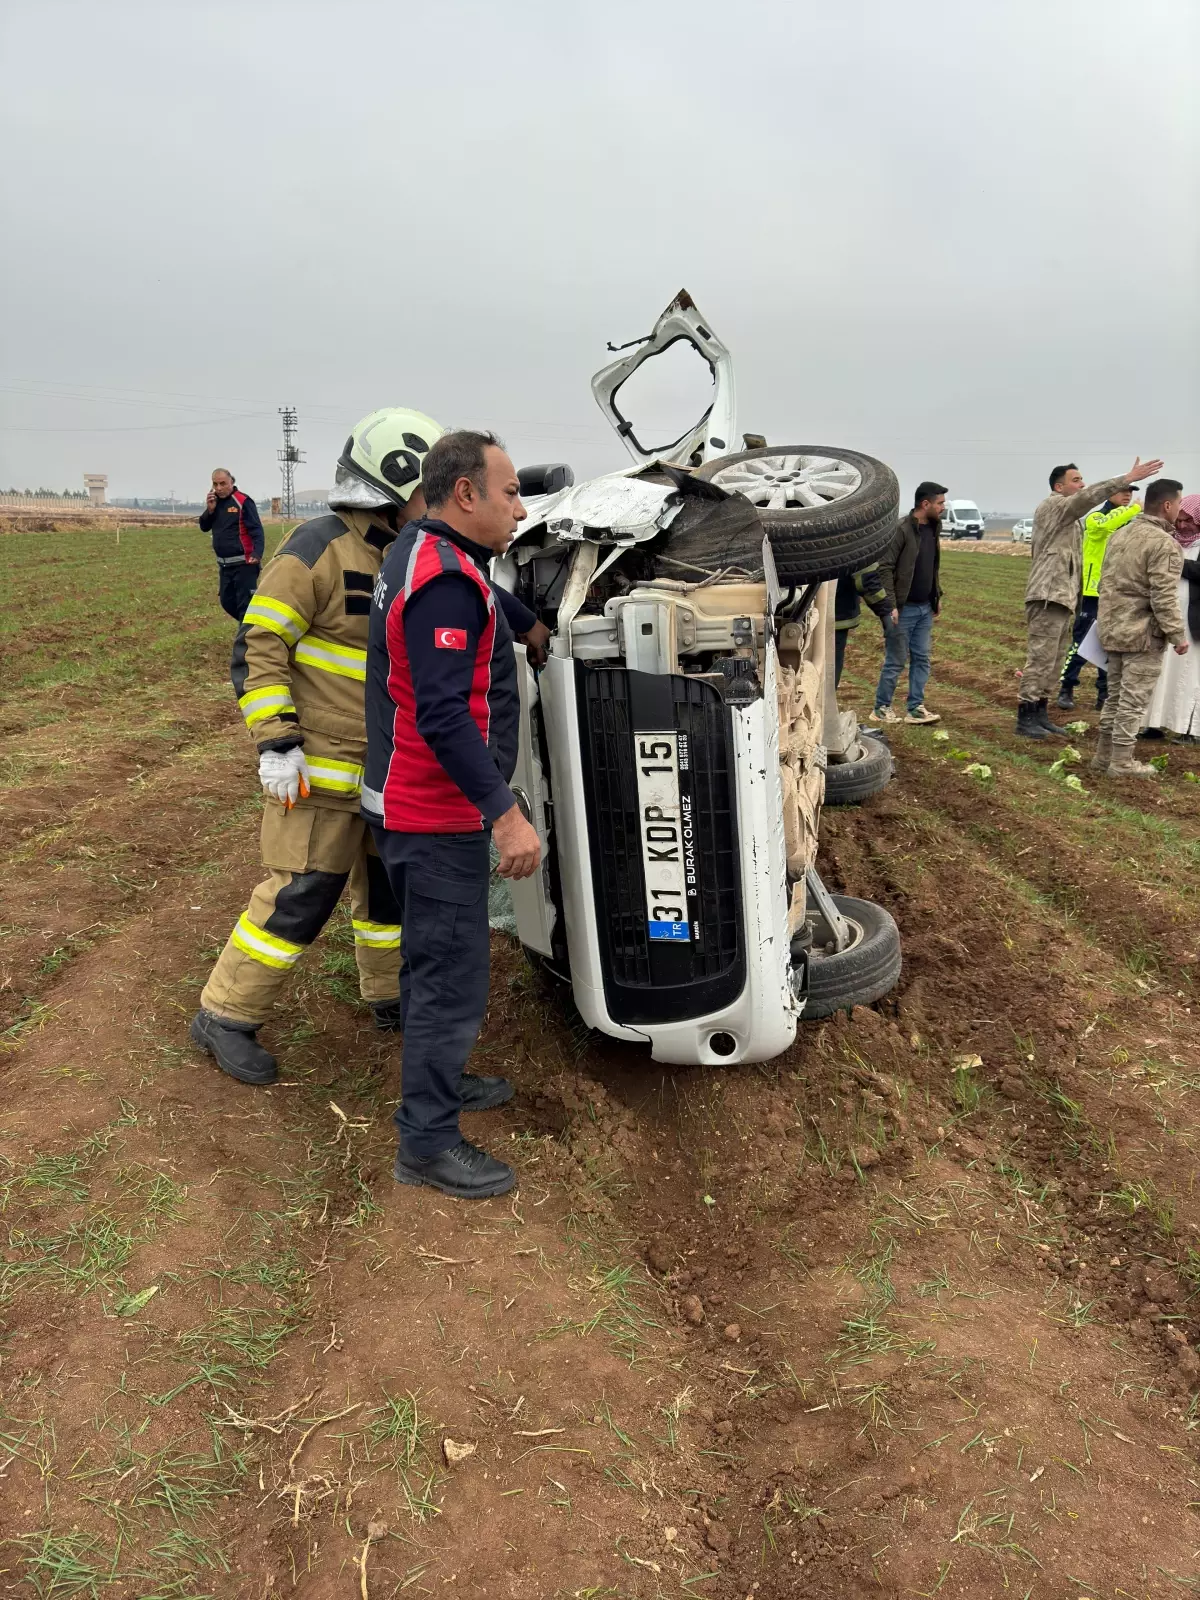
(661, 823)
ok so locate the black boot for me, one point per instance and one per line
(234, 1048)
(1101, 697)
(466, 1172)
(1044, 720)
(1066, 698)
(389, 1015)
(483, 1094)
(1028, 725)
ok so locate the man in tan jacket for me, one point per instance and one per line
(1139, 617)
(1052, 589)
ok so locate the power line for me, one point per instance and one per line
(149, 427)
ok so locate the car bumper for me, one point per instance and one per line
(733, 993)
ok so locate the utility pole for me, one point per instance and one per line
(288, 457)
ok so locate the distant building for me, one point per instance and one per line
(96, 484)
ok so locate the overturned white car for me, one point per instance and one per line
(675, 747)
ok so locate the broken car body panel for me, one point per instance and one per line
(713, 435)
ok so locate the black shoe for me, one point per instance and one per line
(1101, 697)
(1066, 698)
(234, 1048)
(483, 1094)
(1152, 733)
(389, 1016)
(1044, 720)
(1028, 725)
(466, 1172)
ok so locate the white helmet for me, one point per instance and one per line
(381, 463)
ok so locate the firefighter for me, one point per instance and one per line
(299, 669)
(237, 540)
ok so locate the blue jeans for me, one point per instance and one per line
(906, 640)
(441, 881)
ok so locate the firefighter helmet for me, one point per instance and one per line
(386, 450)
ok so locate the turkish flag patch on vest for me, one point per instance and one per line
(450, 638)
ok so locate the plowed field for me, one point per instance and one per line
(913, 1310)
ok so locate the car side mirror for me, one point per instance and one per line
(547, 478)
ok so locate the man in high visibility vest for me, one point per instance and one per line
(1098, 527)
(299, 672)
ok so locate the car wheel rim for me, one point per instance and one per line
(786, 482)
(819, 953)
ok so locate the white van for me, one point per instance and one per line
(962, 520)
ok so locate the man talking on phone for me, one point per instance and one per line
(442, 725)
(237, 539)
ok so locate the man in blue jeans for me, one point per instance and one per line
(909, 569)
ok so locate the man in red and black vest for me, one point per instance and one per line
(237, 539)
(442, 726)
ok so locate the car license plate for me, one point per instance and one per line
(657, 759)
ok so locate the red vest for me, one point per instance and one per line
(418, 794)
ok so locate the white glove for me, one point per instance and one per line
(284, 774)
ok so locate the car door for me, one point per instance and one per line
(713, 434)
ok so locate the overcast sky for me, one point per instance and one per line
(962, 237)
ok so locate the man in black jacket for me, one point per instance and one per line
(909, 568)
(237, 539)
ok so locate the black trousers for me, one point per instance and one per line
(1089, 608)
(441, 882)
(237, 585)
(839, 654)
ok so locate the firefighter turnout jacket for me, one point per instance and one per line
(300, 657)
(1098, 528)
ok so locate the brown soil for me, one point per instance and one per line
(910, 1310)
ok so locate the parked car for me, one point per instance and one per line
(1023, 530)
(962, 520)
(672, 752)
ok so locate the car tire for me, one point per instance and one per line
(811, 544)
(848, 783)
(860, 975)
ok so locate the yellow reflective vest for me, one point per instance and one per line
(1098, 528)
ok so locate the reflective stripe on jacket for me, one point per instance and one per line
(299, 659)
(1098, 528)
(1054, 547)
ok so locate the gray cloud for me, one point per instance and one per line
(961, 237)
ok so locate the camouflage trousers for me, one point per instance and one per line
(1049, 629)
(1132, 680)
(311, 853)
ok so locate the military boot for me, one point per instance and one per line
(1102, 760)
(1044, 720)
(1066, 698)
(1027, 724)
(1123, 764)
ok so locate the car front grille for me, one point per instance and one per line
(648, 981)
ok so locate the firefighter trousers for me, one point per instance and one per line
(311, 852)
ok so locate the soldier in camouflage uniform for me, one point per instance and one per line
(1139, 617)
(1052, 589)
